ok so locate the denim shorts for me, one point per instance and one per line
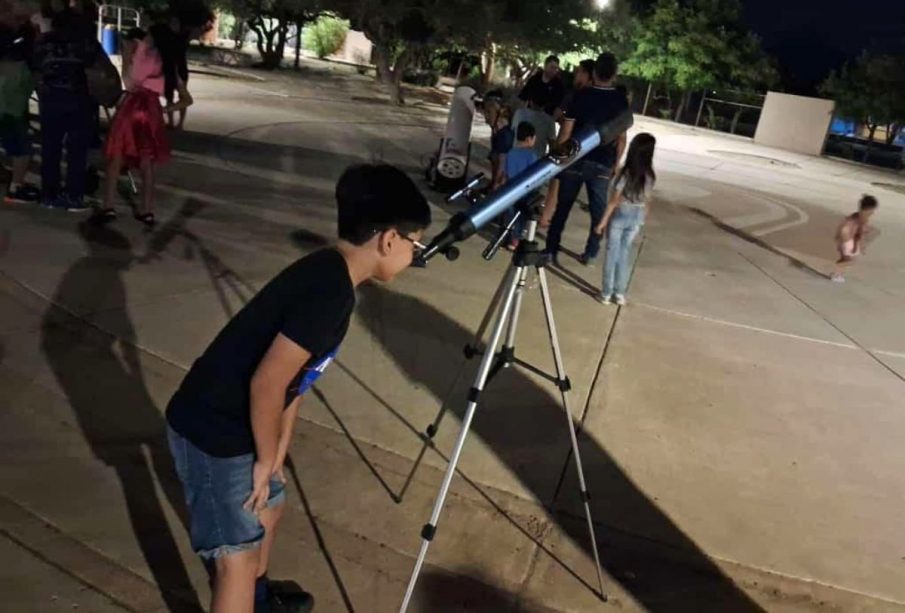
(215, 489)
(14, 136)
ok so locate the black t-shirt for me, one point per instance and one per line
(596, 106)
(547, 95)
(61, 58)
(311, 303)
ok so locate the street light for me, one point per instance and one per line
(602, 4)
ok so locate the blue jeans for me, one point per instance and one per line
(215, 489)
(65, 117)
(623, 228)
(596, 178)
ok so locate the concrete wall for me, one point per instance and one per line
(795, 123)
(356, 49)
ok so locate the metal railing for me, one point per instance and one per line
(109, 14)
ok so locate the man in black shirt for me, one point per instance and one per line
(545, 87)
(595, 106)
(230, 422)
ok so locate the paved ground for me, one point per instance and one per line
(742, 418)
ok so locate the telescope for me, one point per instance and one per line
(465, 224)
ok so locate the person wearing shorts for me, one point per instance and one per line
(850, 236)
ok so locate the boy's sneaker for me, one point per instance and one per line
(837, 278)
(620, 299)
(285, 597)
(23, 194)
(604, 299)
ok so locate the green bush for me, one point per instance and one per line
(325, 36)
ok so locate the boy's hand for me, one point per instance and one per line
(260, 488)
(279, 473)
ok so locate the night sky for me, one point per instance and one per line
(811, 37)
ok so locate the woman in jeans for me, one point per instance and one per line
(625, 216)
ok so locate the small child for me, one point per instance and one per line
(625, 215)
(498, 116)
(851, 234)
(230, 422)
(520, 157)
(137, 137)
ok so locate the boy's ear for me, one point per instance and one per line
(386, 241)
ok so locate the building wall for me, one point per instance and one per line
(795, 123)
(356, 49)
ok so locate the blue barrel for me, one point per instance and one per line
(110, 40)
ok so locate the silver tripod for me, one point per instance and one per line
(506, 304)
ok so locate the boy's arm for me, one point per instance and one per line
(286, 425)
(268, 395)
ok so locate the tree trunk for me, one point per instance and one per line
(892, 132)
(735, 119)
(271, 42)
(650, 85)
(298, 43)
(399, 66)
(488, 65)
(871, 130)
(382, 60)
(683, 102)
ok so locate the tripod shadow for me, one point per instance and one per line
(532, 454)
(103, 382)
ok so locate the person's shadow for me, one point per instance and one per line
(102, 378)
(520, 420)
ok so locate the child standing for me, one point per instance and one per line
(498, 116)
(137, 136)
(520, 157)
(625, 214)
(230, 422)
(850, 235)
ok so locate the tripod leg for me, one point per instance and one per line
(521, 275)
(491, 309)
(427, 533)
(564, 391)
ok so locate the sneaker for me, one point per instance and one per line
(71, 205)
(604, 299)
(585, 260)
(837, 278)
(23, 194)
(620, 299)
(286, 597)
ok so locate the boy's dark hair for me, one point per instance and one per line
(588, 66)
(524, 131)
(868, 203)
(375, 197)
(606, 66)
(551, 58)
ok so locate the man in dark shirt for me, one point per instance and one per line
(230, 422)
(61, 59)
(545, 87)
(594, 106)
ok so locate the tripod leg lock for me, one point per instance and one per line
(473, 394)
(428, 532)
(564, 385)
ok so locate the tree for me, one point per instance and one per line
(697, 46)
(271, 21)
(871, 91)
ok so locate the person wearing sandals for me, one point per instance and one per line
(137, 137)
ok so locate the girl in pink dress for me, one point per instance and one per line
(137, 137)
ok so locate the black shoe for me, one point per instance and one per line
(23, 194)
(585, 260)
(286, 597)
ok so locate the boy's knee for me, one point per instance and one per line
(238, 563)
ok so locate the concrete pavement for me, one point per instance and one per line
(741, 419)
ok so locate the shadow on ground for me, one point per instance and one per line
(394, 319)
(102, 378)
